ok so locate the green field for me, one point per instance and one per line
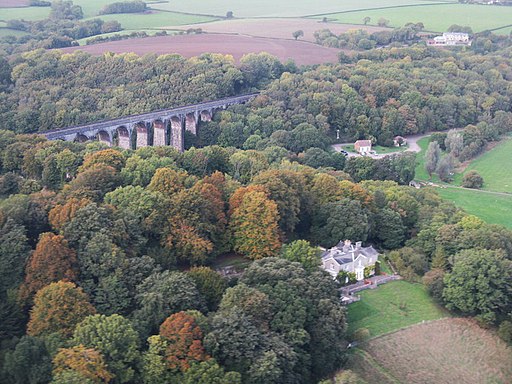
(140, 21)
(436, 17)
(421, 173)
(492, 208)
(283, 8)
(11, 32)
(25, 13)
(490, 166)
(392, 306)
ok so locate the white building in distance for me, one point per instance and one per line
(450, 39)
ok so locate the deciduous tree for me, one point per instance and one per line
(51, 261)
(58, 307)
(184, 341)
(114, 337)
(254, 226)
(88, 362)
(210, 284)
(479, 283)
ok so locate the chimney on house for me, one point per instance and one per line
(358, 245)
(346, 247)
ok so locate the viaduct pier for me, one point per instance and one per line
(157, 128)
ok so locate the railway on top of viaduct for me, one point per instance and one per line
(157, 128)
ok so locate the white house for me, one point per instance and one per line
(450, 39)
(363, 146)
(346, 257)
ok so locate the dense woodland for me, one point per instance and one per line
(108, 257)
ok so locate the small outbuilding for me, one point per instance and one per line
(399, 141)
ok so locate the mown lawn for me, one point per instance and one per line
(435, 17)
(492, 208)
(392, 306)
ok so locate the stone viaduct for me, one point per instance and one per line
(157, 128)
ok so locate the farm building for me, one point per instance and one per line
(346, 257)
(399, 141)
(363, 146)
(450, 39)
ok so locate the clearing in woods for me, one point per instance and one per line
(446, 351)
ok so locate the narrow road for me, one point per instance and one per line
(412, 146)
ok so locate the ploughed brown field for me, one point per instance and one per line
(448, 351)
(303, 53)
(275, 28)
(13, 3)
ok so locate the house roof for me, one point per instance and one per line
(363, 143)
(344, 254)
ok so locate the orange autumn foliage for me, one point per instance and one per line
(236, 199)
(51, 261)
(58, 307)
(86, 361)
(185, 346)
(254, 225)
(64, 213)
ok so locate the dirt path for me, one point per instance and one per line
(470, 189)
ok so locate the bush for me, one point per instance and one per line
(433, 281)
(361, 334)
(472, 179)
(505, 331)
(123, 7)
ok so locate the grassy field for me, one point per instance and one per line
(446, 351)
(11, 32)
(436, 17)
(25, 13)
(490, 166)
(141, 21)
(392, 306)
(283, 8)
(420, 172)
(492, 208)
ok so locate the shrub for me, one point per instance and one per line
(361, 334)
(505, 331)
(472, 179)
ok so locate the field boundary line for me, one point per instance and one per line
(370, 360)
(380, 8)
(404, 328)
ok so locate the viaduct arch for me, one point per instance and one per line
(157, 128)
